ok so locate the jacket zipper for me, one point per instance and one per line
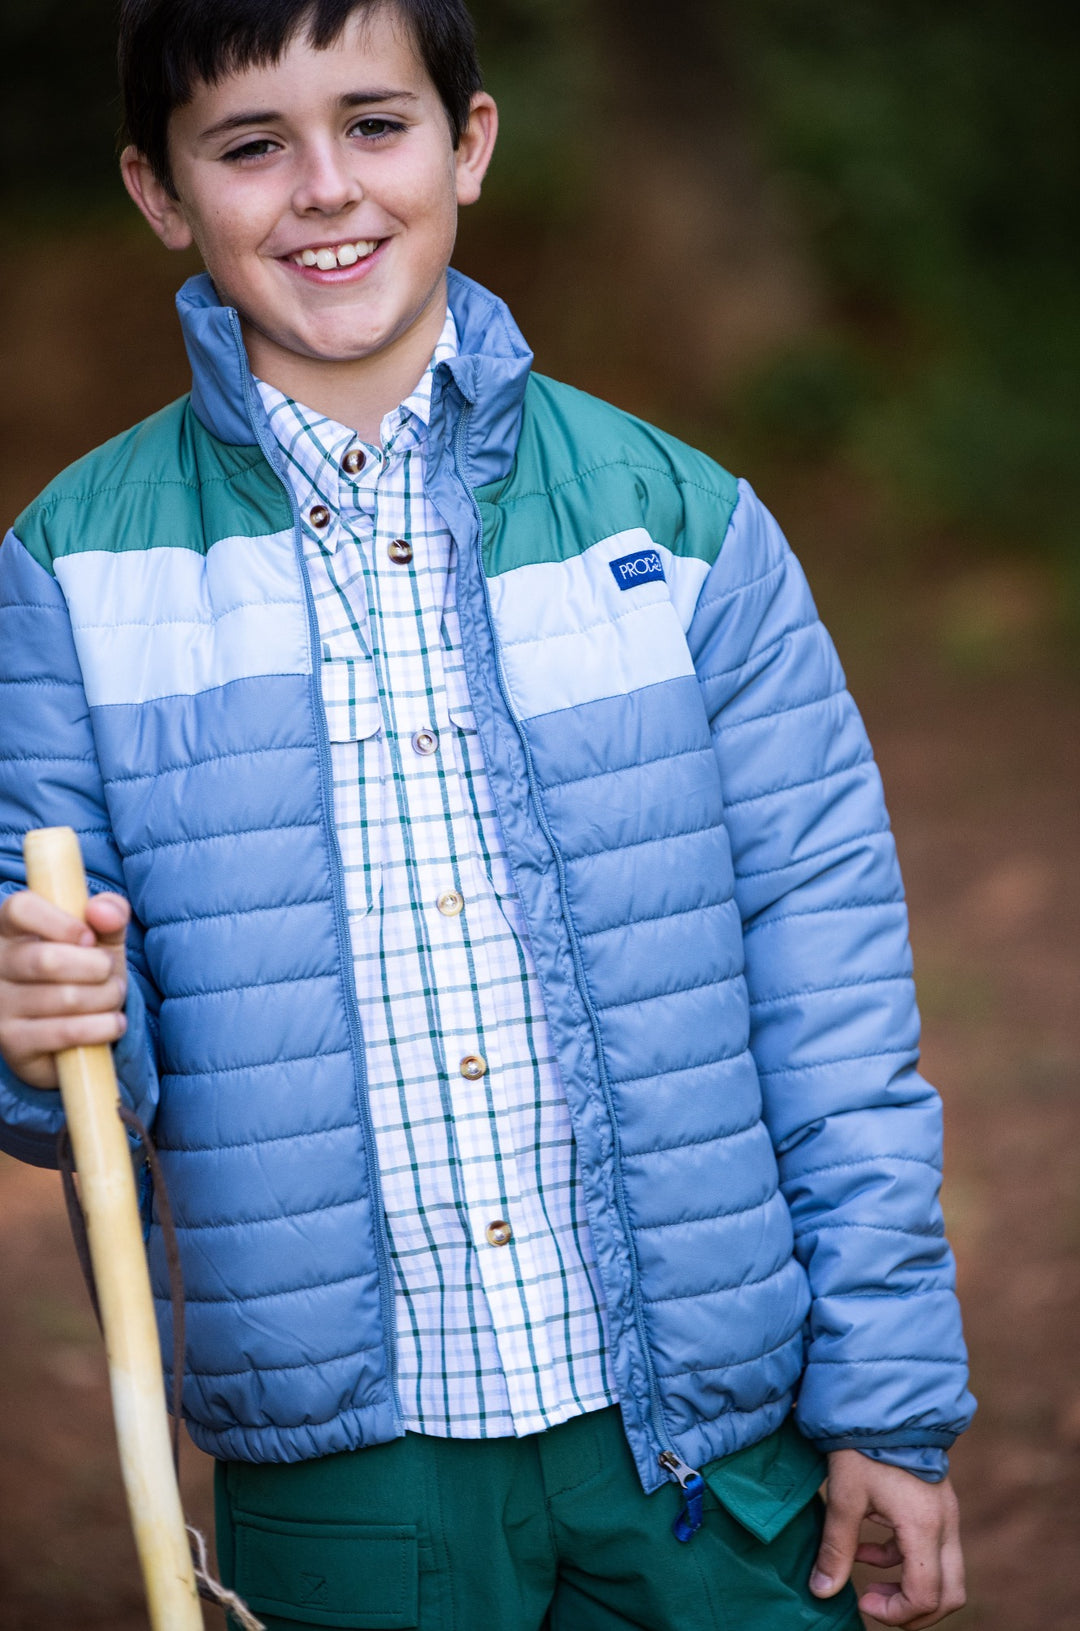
(689, 1480)
(382, 1248)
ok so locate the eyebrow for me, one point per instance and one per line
(268, 116)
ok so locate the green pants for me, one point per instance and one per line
(548, 1533)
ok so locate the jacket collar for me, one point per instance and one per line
(489, 374)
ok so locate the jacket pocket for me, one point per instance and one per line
(350, 692)
(353, 1575)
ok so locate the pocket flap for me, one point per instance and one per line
(765, 1485)
(359, 1575)
(350, 693)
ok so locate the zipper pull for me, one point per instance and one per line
(692, 1484)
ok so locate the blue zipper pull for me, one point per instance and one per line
(692, 1484)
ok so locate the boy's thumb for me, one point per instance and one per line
(837, 1551)
(108, 916)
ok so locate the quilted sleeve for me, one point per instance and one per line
(49, 777)
(834, 1026)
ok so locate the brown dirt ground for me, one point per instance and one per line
(978, 733)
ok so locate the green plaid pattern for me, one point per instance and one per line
(492, 1340)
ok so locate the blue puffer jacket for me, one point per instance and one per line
(697, 832)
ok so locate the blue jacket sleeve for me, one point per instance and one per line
(834, 1026)
(49, 777)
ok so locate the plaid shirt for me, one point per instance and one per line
(500, 1319)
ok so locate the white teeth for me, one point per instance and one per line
(328, 260)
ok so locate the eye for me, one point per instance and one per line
(256, 149)
(376, 128)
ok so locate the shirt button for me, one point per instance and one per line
(473, 1067)
(499, 1233)
(400, 552)
(425, 742)
(451, 904)
(353, 462)
(319, 516)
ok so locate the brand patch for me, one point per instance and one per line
(643, 567)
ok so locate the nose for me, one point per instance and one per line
(327, 184)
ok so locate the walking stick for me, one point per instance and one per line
(107, 1185)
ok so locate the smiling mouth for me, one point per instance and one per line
(330, 257)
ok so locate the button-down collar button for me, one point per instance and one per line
(425, 743)
(400, 552)
(499, 1233)
(451, 904)
(473, 1067)
(319, 516)
(353, 462)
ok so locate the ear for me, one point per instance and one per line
(153, 199)
(474, 151)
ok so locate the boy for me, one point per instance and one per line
(495, 912)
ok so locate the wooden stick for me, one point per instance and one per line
(90, 1094)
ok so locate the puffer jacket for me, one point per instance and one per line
(697, 832)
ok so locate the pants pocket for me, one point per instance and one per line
(358, 1576)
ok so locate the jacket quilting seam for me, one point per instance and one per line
(760, 654)
(635, 467)
(892, 1359)
(258, 1064)
(734, 1364)
(55, 500)
(679, 1070)
(153, 624)
(679, 991)
(788, 708)
(831, 1064)
(830, 990)
(841, 1166)
(717, 1291)
(693, 1143)
(811, 1226)
(215, 837)
(268, 1296)
(880, 905)
(817, 854)
(660, 917)
(639, 843)
(236, 912)
(865, 758)
(211, 759)
(257, 1143)
(728, 591)
(633, 610)
(637, 764)
(275, 1217)
(250, 985)
(715, 1216)
(274, 1370)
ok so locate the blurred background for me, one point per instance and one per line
(836, 243)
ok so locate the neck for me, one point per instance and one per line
(357, 392)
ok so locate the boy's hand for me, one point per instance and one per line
(62, 983)
(925, 1541)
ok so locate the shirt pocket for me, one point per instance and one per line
(350, 691)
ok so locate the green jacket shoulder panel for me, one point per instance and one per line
(585, 470)
(165, 483)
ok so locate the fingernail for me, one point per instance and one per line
(820, 1582)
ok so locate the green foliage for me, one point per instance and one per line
(932, 154)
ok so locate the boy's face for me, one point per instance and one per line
(344, 156)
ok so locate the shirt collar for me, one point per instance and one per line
(332, 440)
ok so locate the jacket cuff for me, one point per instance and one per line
(923, 1460)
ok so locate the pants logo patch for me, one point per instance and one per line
(643, 567)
